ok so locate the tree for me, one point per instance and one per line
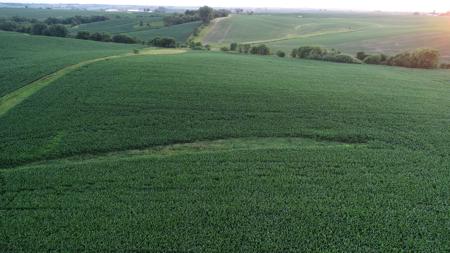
(244, 48)
(82, 35)
(294, 53)
(260, 50)
(52, 21)
(233, 46)
(96, 36)
(8, 26)
(195, 45)
(39, 29)
(163, 42)
(120, 38)
(206, 14)
(57, 31)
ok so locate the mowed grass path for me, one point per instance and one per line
(213, 152)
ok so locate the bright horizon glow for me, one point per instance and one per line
(361, 5)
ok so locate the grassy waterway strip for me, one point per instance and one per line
(14, 98)
(205, 146)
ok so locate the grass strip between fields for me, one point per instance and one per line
(205, 146)
(14, 98)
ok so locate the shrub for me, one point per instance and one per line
(208, 47)
(445, 66)
(195, 45)
(319, 53)
(341, 58)
(344, 58)
(135, 51)
(374, 59)
(281, 53)
(224, 49)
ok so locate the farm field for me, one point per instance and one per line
(109, 147)
(234, 153)
(26, 58)
(350, 33)
(42, 14)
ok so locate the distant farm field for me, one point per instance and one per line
(123, 24)
(42, 14)
(179, 32)
(373, 33)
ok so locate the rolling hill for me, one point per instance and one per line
(207, 152)
(179, 32)
(122, 24)
(350, 33)
(27, 58)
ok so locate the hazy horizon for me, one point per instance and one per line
(382, 5)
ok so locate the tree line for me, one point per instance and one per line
(105, 37)
(49, 27)
(420, 58)
(204, 14)
(424, 58)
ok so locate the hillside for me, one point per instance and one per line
(232, 152)
(122, 24)
(42, 14)
(350, 33)
(179, 32)
(27, 58)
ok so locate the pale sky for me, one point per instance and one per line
(387, 5)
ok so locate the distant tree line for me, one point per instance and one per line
(76, 20)
(163, 42)
(37, 28)
(204, 14)
(104, 37)
(248, 49)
